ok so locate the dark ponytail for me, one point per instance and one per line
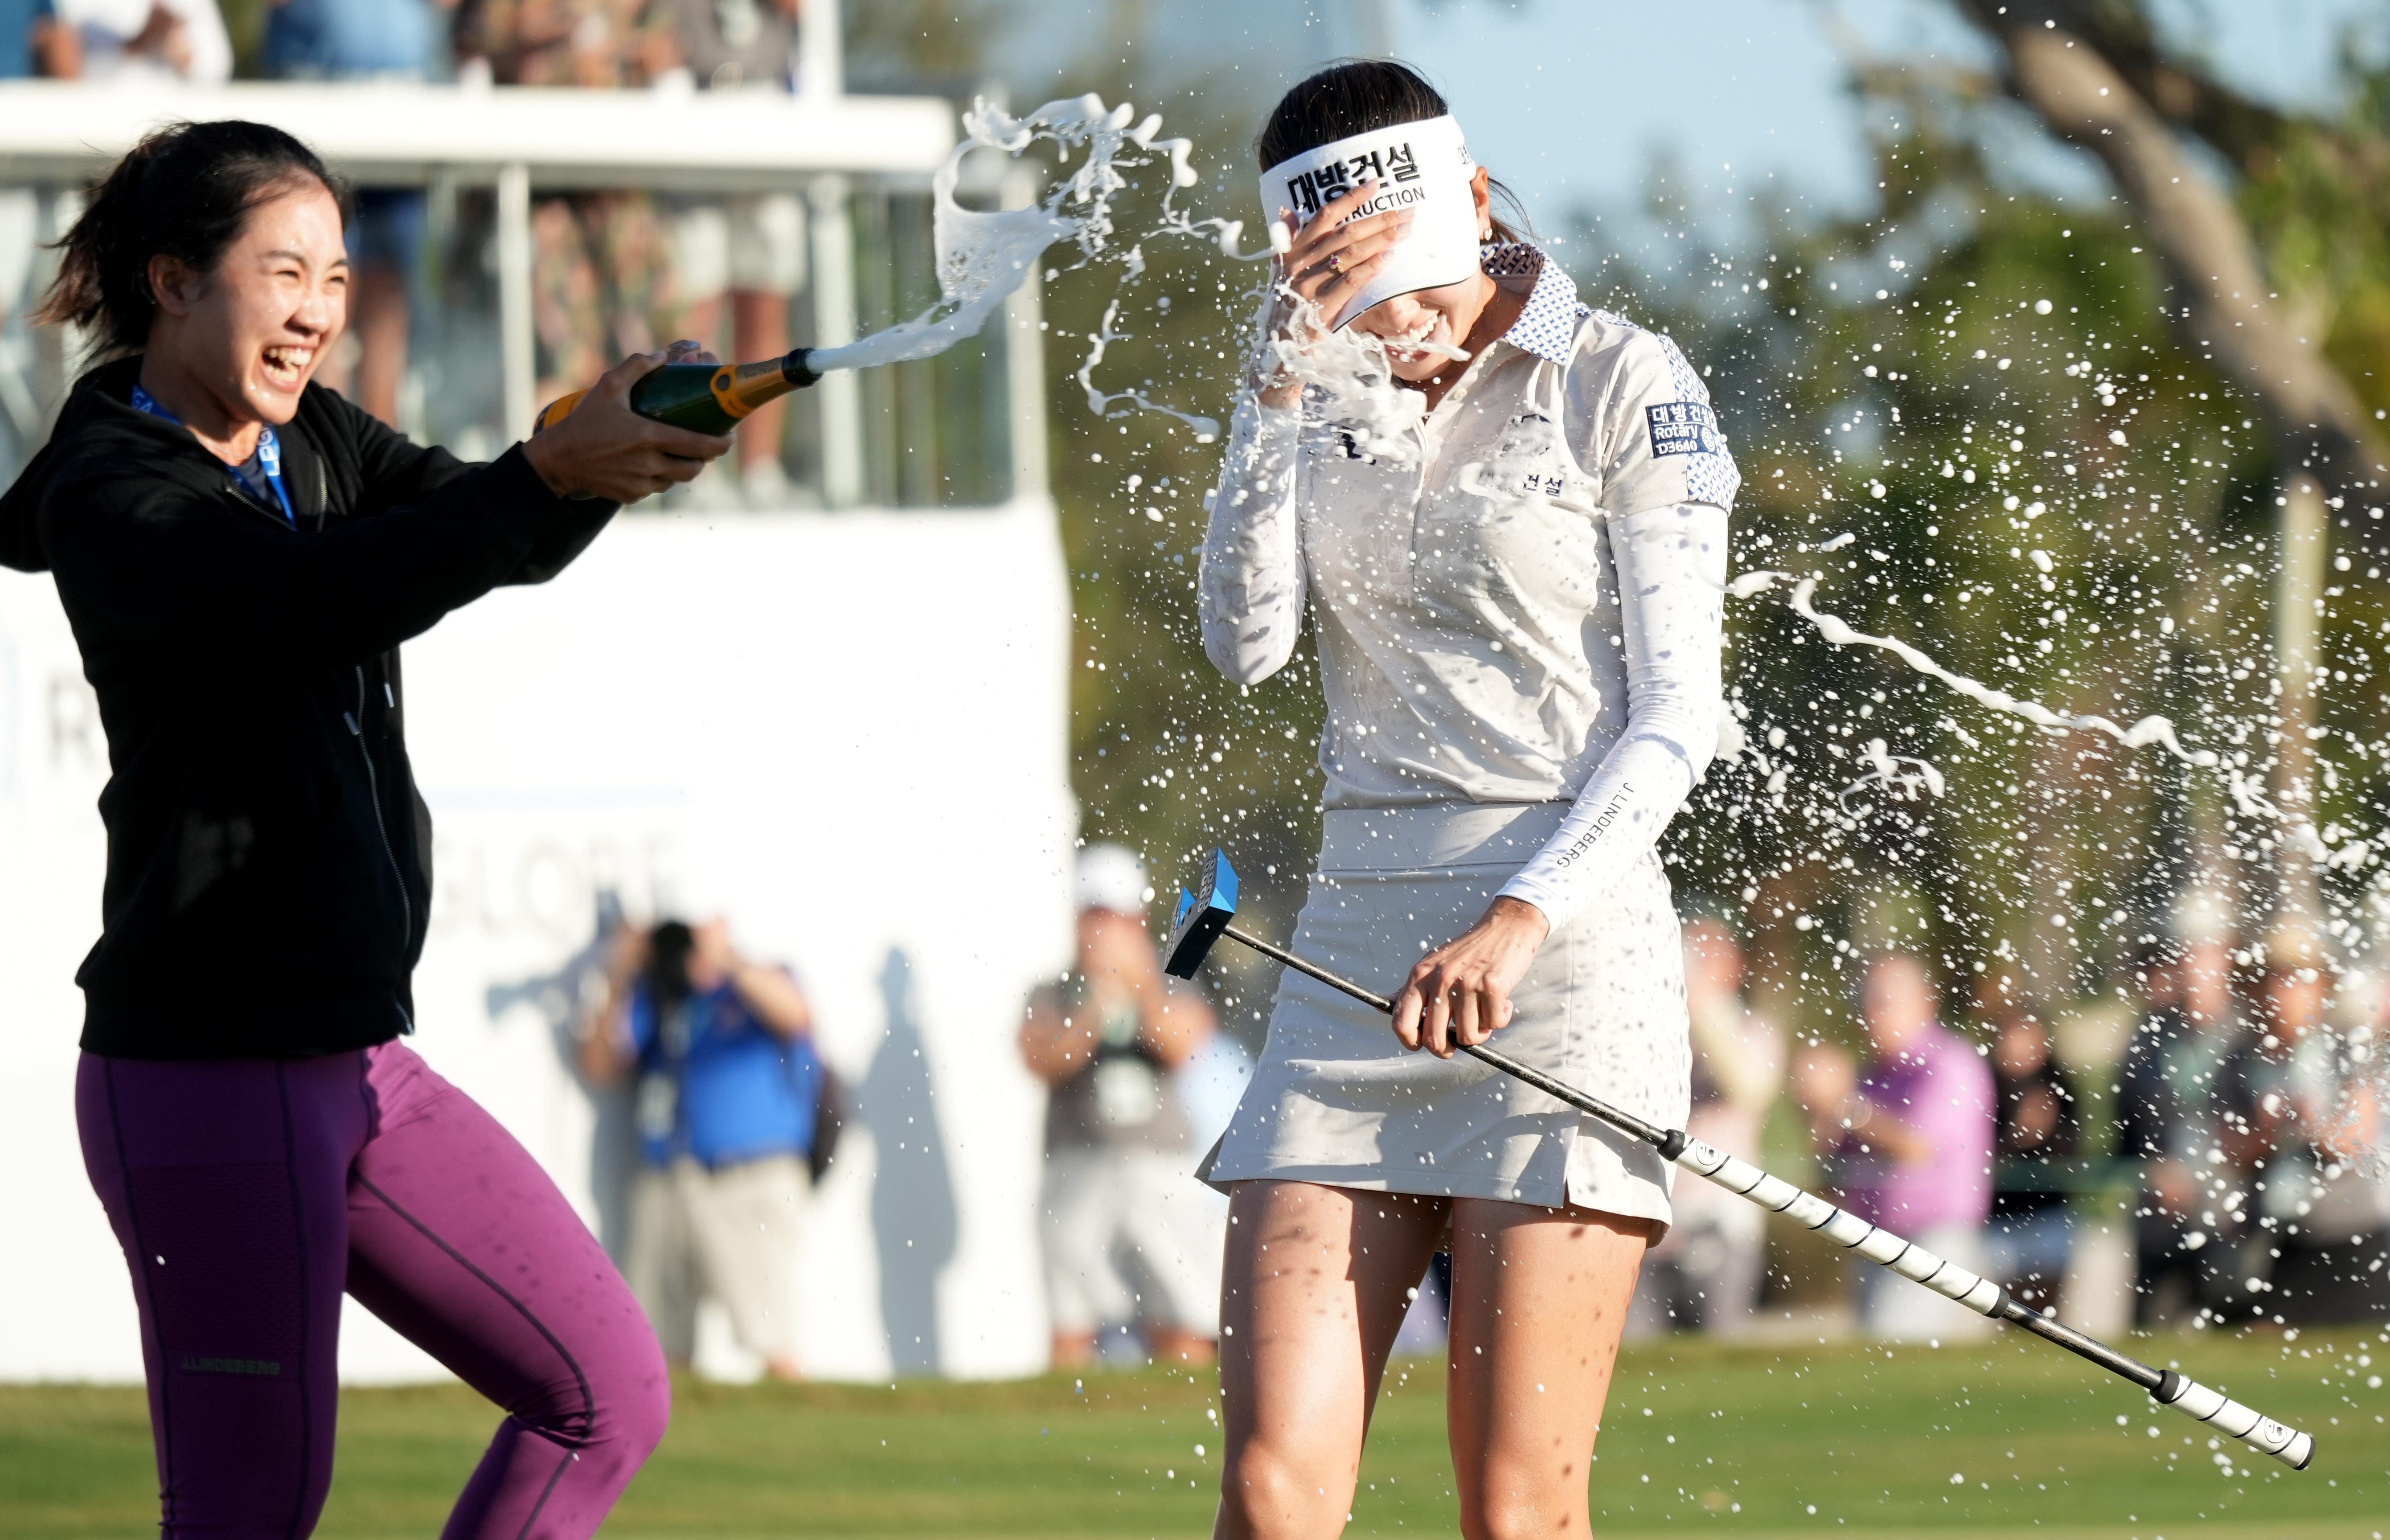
(1361, 96)
(184, 191)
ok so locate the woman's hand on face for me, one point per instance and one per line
(1459, 994)
(1329, 262)
(604, 449)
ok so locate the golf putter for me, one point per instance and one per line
(1204, 918)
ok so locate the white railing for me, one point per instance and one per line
(524, 140)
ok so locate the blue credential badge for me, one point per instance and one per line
(1683, 427)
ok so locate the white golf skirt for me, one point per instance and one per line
(1336, 1099)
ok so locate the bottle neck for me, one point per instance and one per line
(738, 389)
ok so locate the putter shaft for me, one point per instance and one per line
(1271, 949)
(2288, 1445)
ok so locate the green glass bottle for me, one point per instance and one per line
(705, 398)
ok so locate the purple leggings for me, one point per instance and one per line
(247, 1194)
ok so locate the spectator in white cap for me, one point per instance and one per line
(1130, 1236)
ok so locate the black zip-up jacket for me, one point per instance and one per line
(269, 862)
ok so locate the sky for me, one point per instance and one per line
(1573, 102)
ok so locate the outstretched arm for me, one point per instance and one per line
(165, 563)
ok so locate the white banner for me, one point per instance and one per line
(846, 732)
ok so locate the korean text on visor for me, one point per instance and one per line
(1423, 168)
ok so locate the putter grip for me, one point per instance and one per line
(2193, 1399)
(1878, 1245)
(2291, 1446)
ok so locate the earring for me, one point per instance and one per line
(1486, 234)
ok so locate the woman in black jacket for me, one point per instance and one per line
(240, 555)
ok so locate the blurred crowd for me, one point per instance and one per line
(2206, 1146)
(2217, 1125)
(613, 272)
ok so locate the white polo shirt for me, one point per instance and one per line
(1518, 595)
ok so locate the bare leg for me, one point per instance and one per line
(1073, 1349)
(1539, 1299)
(760, 324)
(377, 314)
(1315, 1289)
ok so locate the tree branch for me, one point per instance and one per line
(2243, 130)
(2317, 422)
(2247, 133)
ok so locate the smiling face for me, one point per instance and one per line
(1441, 317)
(251, 334)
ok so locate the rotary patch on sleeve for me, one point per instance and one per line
(1683, 427)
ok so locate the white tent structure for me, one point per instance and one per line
(843, 727)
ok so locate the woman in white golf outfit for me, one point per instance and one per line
(1515, 569)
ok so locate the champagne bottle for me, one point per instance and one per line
(706, 398)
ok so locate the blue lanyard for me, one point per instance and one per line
(269, 452)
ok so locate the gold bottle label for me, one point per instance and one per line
(724, 384)
(555, 411)
(738, 389)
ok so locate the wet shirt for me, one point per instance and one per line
(1942, 1090)
(1517, 596)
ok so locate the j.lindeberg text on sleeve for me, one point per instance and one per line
(1671, 565)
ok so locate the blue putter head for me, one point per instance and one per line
(1201, 918)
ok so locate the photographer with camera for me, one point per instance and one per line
(726, 1105)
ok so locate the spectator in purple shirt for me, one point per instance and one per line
(1908, 1142)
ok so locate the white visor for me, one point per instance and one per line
(1423, 167)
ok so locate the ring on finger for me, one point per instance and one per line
(1336, 262)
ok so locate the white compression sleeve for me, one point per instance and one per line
(1250, 593)
(1671, 566)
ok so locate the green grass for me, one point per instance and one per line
(1871, 1439)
